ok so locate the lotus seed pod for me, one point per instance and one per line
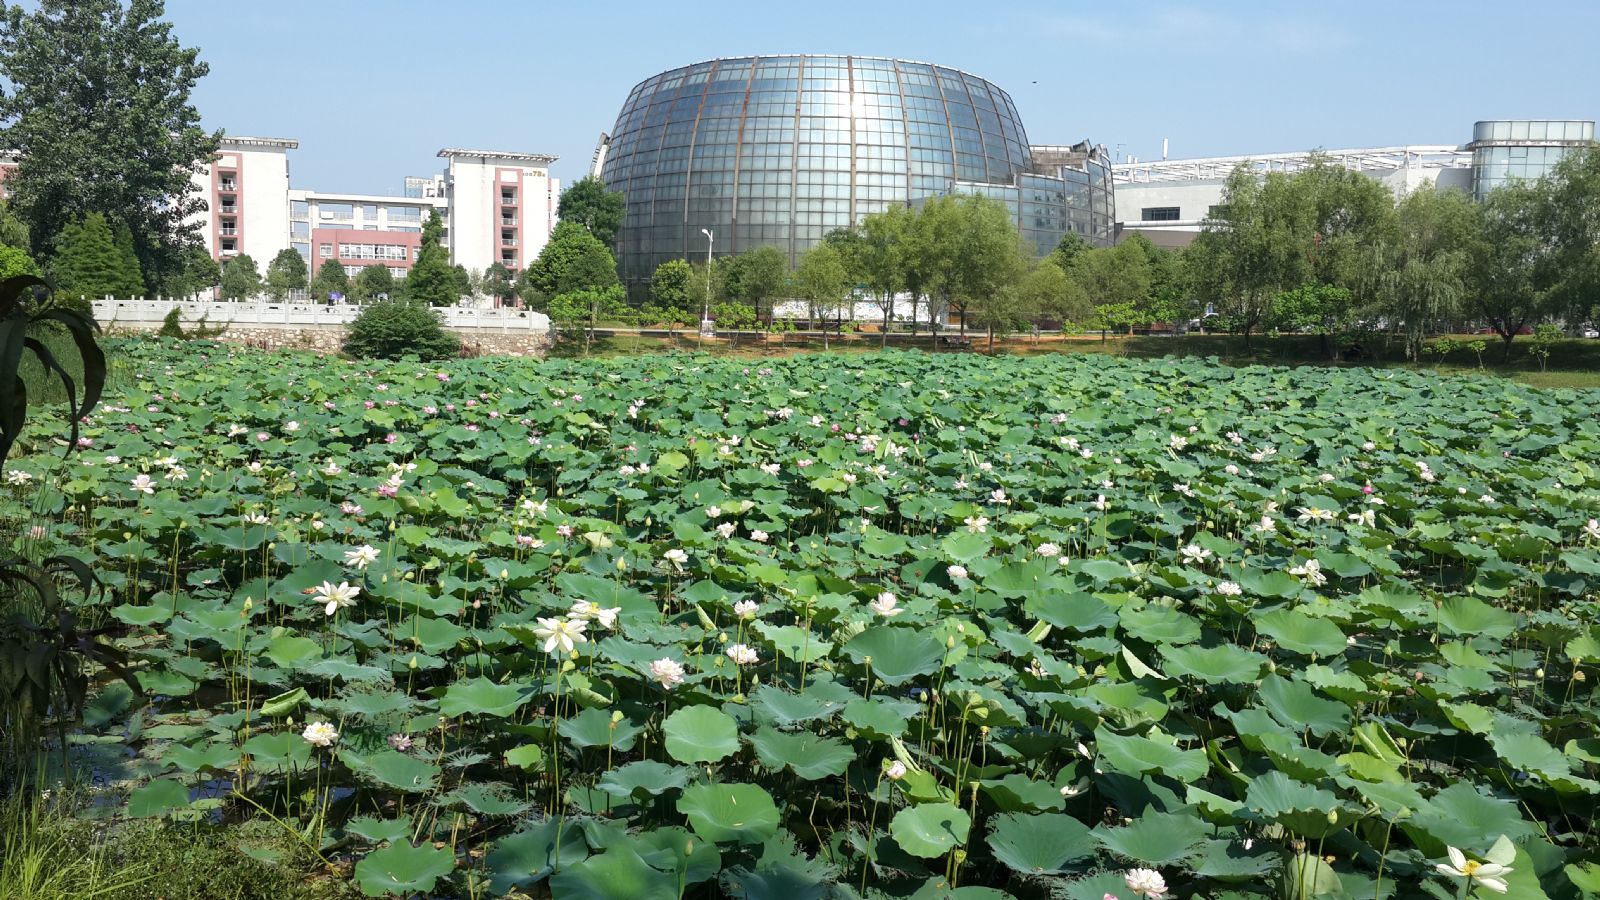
(616, 717)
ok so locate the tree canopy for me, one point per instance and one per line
(240, 278)
(572, 260)
(331, 279)
(431, 281)
(287, 272)
(96, 101)
(586, 202)
(88, 265)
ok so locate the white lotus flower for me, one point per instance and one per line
(1229, 589)
(1178, 442)
(584, 609)
(335, 597)
(976, 524)
(746, 609)
(886, 605)
(142, 484)
(1194, 554)
(562, 634)
(1592, 530)
(18, 477)
(1145, 883)
(677, 558)
(667, 672)
(1484, 873)
(1365, 517)
(320, 734)
(743, 654)
(759, 536)
(362, 556)
(956, 571)
(1048, 549)
(896, 771)
(726, 529)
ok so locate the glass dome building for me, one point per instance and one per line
(782, 149)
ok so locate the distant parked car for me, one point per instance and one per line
(1591, 333)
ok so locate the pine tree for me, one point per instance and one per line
(431, 281)
(87, 264)
(331, 279)
(133, 273)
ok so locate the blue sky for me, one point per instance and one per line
(374, 88)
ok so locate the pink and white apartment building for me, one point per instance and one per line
(496, 207)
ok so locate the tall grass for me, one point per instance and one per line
(43, 858)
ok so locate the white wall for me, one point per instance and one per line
(264, 204)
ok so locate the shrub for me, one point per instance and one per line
(172, 325)
(395, 328)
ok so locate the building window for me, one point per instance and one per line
(1217, 211)
(397, 271)
(372, 251)
(352, 271)
(299, 209)
(1159, 214)
(325, 251)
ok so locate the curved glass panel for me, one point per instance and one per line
(782, 149)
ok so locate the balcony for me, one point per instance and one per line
(508, 242)
(228, 185)
(508, 220)
(508, 199)
(229, 232)
(228, 210)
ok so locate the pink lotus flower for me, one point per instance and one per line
(390, 438)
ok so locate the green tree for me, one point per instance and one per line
(573, 260)
(961, 250)
(1048, 293)
(15, 261)
(586, 202)
(87, 264)
(132, 271)
(586, 307)
(880, 259)
(240, 279)
(1569, 214)
(431, 280)
(13, 231)
(1251, 252)
(754, 277)
(97, 102)
(499, 283)
(197, 273)
(1418, 270)
(286, 273)
(391, 329)
(372, 284)
(669, 294)
(822, 280)
(1068, 250)
(1513, 272)
(1116, 282)
(331, 279)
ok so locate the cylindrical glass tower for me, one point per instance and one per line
(782, 149)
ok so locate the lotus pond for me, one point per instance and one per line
(890, 625)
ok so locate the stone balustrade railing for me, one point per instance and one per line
(148, 314)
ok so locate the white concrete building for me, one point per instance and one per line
(502, 206)
(246, 191)
(496, 206)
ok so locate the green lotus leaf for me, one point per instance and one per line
(807, 755)
(876, 718)
(158, 798)
(377, 830)
(1223, 664)
(403, 869)
(675, 850)
(1041, 844)
(393, 769)
(1297, 806)
(930, 829)
(530, 855)
(1297, 706)
(785, 709)
(481, 696)
(644, 778)
(594, 728)
(730, 813)
(699, 734)
(1136, 755)
(1299, 633)
(895, 655)
(1155, 838)
(1472, 617)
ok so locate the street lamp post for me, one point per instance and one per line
(705, 316)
